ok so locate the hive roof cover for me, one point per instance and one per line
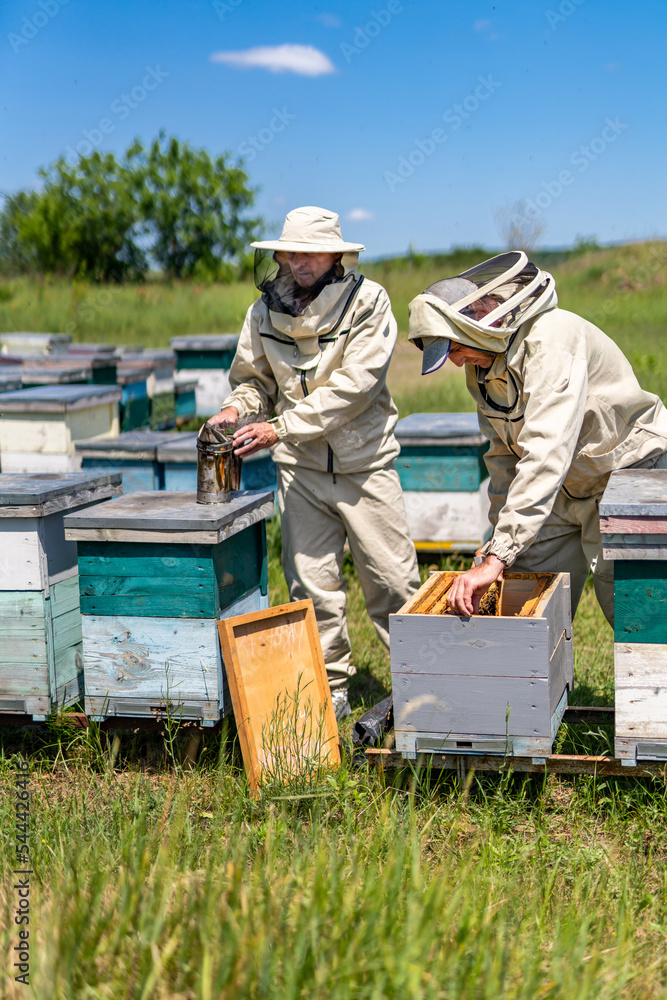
(438, 425)
(635, 492)
(206, 342)
(131, 442)
(59, 490)
(170, 511)
(57, 398)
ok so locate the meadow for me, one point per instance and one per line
(151, 879)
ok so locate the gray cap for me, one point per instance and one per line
(436, 349)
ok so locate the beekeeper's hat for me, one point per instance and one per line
(310, 230)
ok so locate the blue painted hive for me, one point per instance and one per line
(157, 572)
(133, 454)
(41, 665)
(208, 358)
(444, 479)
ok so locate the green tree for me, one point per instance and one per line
(106, 220)
(193, 208)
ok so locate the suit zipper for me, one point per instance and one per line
(330, 454)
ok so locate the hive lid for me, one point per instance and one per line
(36, 343)
(423, 428)
(133, 444)
(57, 398)
(206, 342)
(33, 494)
(172, 516)
(182, 448)
(635, 492)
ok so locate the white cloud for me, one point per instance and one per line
(329, 20)
(482, 25)
(303, 59)
(359, 215)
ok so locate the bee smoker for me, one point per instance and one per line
(218, 468)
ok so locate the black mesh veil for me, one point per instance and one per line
(280, 290)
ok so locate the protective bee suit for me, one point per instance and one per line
(560, 405)
(320, 362)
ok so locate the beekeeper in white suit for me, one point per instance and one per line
(561, 407)
(315, 349)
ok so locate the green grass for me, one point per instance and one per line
(154, 882)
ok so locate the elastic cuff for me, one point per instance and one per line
(502, 552)
(278, 425)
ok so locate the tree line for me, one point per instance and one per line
(166, 206)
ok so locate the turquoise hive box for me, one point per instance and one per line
(157, 571)
(444, 479)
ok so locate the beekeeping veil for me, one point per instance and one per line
(481, 308)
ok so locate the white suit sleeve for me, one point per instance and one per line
(254, 388)
(555, 393)
(500, 462)
(351, 388)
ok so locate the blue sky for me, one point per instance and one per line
(416, 120)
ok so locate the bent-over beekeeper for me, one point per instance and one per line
(561, 407)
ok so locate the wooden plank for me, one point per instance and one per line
(479, 646)
(180, 477)
(23, 564)
(640, 677)
(633, 525)
(640, 602)
(139, 475)
(485, 705)
(561, 671)
(554, 764)
(440, 426)
(635, 492)
(21, 604)
(447, 517)
(54, 399)
(441, 469)
(150, 658)
(619, 547)
(66, 630)
(273, 659)
(203, 605)
(64, 596)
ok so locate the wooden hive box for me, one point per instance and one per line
(185, 399)
(208, 358)
(178, 458)
(135, 405)
(39, 427)
(483, 684)
(41, 664)
(160, 384)
(133, 454)
(444, 480)
(157, 572)
(34, 343)
(633, 523)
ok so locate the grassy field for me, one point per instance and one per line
(154, 882)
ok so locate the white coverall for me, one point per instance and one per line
(575, 413)
(324, 374)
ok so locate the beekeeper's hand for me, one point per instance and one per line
(254, 437)
(225, 418)
(472, 584)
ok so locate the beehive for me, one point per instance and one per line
(633, 522)
(133, 454)
(41, 666)
(208, 358)
(485, 684)
(444, 480)
(39, 427)
(185, 399)
(157, 572)
(135, 406)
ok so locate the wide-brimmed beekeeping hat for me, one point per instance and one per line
(310, 230)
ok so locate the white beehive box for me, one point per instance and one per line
(483, 684)
(39, 427)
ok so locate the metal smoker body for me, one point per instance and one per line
(218, 468)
